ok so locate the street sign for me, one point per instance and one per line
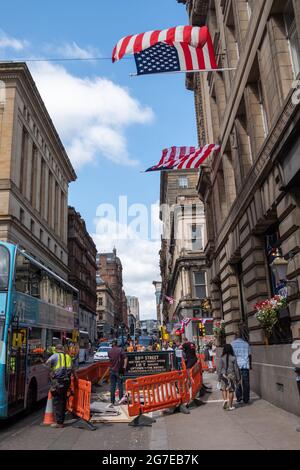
(148, 363)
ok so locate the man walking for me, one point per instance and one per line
(243, 356)
(118, 363)
(60, 374)
(189, 351)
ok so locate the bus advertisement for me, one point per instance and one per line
(38, 309)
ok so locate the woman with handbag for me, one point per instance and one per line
(228, 376)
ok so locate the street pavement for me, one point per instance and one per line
(257, 426)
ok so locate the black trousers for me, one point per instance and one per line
(60, 401)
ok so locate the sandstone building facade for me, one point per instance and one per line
(251, 194)
(35, 172)
(82, 265)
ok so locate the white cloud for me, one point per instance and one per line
(139, 257)
(91, 114)
(72, 50)
(9, 42)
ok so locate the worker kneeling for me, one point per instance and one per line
(61, 370)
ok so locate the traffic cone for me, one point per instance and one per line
(49, 415)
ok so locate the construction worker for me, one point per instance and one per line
(61, 369)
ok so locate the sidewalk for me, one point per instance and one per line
(259, 426)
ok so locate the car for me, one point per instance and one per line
(102, 353)
(105, 344)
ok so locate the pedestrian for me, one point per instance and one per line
(178, 354)
(243, 356)
(118, 363)
(189, 351)
(61, 370)
(207, 356)
(228, 376)
(166, 346)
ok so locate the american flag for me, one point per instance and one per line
(182, 48)
(184, 158)
(185, 321)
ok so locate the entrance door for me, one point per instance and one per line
(16, 369)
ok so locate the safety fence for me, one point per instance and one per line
(161, 391)
(80, 398)
(81, 387)
(94, 372)
(145, 394)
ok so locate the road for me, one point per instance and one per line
(259, 426)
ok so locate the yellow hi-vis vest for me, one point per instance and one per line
(64, 361)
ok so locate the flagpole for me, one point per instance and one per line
(226, 69)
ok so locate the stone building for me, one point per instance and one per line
(182, 260)
(134, 306)
(251, 194)
(110, 269)
(105, 309)
(124, 309)
(82, 265)
(158, 298)
(35, 172)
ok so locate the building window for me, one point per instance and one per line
(32, 226)
(49, 242)
(41, 235)
(183, 182)
(200, 284)
(250, 7)
(196, 237)
(292, 36)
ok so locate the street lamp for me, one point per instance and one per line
(279, 269)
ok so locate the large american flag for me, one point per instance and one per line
(184, 158)
(183, 48)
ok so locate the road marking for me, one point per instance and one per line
(272, 365)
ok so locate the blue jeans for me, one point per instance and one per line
(243, 390)
(114, 379)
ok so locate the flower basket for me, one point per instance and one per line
(219, 329)
(267, 313)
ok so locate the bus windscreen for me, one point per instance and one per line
(4, 268)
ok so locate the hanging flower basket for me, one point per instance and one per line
(219, 328)
(267, 313)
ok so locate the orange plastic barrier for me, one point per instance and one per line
(204, 363)
(80, 398)
(157, 392)
(195, 375)
(94, 372)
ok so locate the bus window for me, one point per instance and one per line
(28, 277)
(4, 268)
(36, 351)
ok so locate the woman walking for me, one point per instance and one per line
(228, 376)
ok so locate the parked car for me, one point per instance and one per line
(102, 353)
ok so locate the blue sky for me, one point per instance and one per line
(155, 111)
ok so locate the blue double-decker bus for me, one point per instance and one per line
(38, 309)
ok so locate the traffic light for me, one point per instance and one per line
(201, 329)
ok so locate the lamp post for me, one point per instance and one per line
(279, 269)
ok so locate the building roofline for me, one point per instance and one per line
(21, 71)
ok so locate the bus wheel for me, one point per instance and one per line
(31, 395)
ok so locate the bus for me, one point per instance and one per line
(38, 309)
